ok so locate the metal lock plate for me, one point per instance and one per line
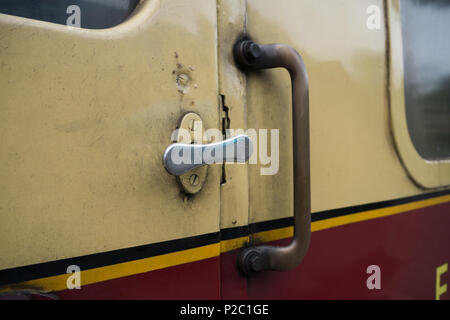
(192, 181)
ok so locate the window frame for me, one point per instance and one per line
(425, 173)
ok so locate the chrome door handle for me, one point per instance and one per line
(251, 56)
(180, 158)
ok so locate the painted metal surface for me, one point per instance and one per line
(336, 264)
(352, 150)
(334, 269)
(86, 116)
(178, 282)
(234, 188)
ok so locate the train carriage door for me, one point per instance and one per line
(86, 114)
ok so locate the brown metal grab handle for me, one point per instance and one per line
(251, 56)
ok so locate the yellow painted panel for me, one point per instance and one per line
(353, 158)
(85, 118)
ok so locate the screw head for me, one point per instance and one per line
(194, 179)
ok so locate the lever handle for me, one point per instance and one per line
(180, 158)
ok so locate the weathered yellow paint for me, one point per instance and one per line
(85, 118)
(273, 235)
(233, 193)
(232, 244)
(353, 158)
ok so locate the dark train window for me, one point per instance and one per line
(426, 56)
(90, 14)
